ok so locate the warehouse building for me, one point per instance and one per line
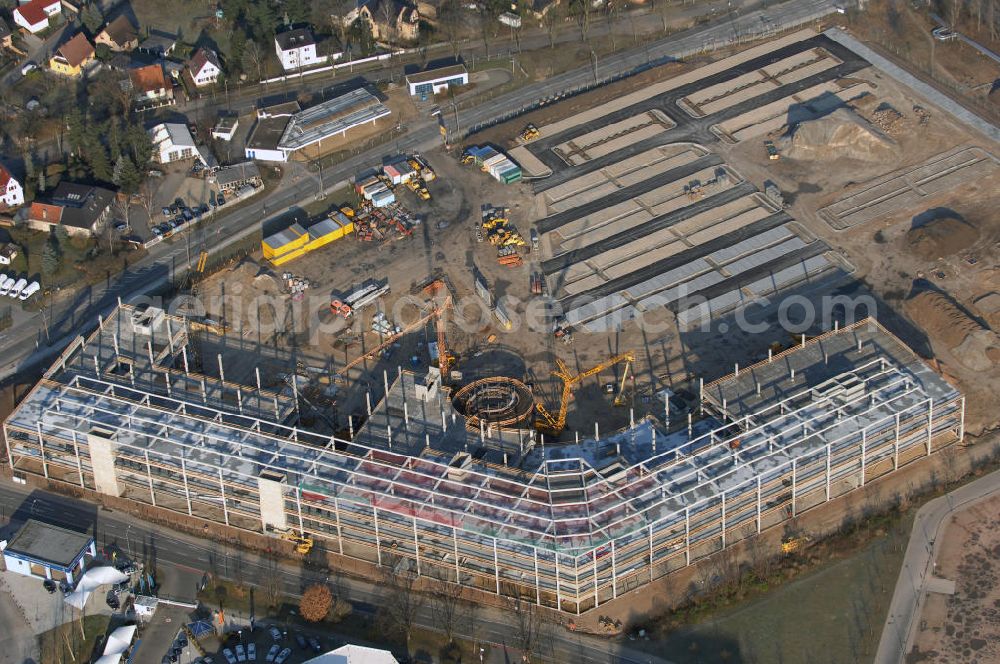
(569, 526)
(284, 130)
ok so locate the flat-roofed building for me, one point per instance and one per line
(48, 552)
(433, 81)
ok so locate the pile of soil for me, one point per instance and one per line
(971, 344)
(941, 237)
(842, 134)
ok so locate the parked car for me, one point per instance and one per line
(301, 640)
(49, 585)
(282, 656)
(165, 211)
(241, 653)
(186, 213)
(944, 34)
(30, 290)
(220, 200)
(272, 653)
(252, 652)
(228, 654)
(275, 632)
(28, 67)
(121, 227)
(316, 645)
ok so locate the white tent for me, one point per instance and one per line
(92, 579)
(117, 645)
(351, 654)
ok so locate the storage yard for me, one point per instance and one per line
(531, 364)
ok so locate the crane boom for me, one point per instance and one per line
(555, 425)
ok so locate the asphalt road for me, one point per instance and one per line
(921, 552)
(193, 554)
(25, 346)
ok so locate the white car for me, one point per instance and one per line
(228, 654)
(252, 652)
(241, 653)
(27, 68)
(6, 285)
(272, 653)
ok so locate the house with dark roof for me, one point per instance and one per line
(34, 16)
(71, 58)
(296, 49)
(390, 20)
(82, 209)
(119, 35)
(204, 67)
(158, 43)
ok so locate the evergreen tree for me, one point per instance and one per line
(92, 18)
(61, 235)
(50, 259)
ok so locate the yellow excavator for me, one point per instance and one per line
(302, 541)
(530, 133)
(553, 425)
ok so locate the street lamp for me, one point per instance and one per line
(128, 542)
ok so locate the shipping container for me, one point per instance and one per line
(374, 189)
(483, 290)
(290, 239)
(383, 198)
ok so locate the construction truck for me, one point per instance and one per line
(772, 151)
(302, 541)
(530, 133)
(416, 185)
(793, 544)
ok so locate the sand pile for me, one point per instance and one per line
(971, 344)
(840, 135)
(944, 236)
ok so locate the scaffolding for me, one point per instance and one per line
(569, 526)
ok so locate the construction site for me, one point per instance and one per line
(548, 363)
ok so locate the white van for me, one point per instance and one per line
(18, 287)
(6, 283)
(30, 290)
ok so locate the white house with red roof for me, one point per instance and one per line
(11, 191)
(34, 16)
(204, 67)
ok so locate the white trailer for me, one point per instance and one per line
(18, 287)
(30, 290)
(6, 283)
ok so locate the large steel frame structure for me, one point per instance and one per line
(124, 413)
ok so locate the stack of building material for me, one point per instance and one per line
(494, 162)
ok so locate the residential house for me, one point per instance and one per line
(296, 49)
(158, 43)
(149, 85)
(119, 35)
(204, 68)
(34, 16)
(6, 38)
(11, 191)
(173, 142)
(72, 56)
(81, 209)
(435, 80)
(391, 20)
(8, 253)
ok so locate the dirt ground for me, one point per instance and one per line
(887, 253)
(964, 627)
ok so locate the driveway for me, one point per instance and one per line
(18, 644)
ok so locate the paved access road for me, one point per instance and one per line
(151, 542)
(24, 346)
(921, 552)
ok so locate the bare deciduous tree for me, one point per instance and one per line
(446, 598)
(551, 19)
(402, 599)
(528, 626)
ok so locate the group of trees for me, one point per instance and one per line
(117, 150)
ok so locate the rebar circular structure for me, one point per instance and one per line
(497, 401)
